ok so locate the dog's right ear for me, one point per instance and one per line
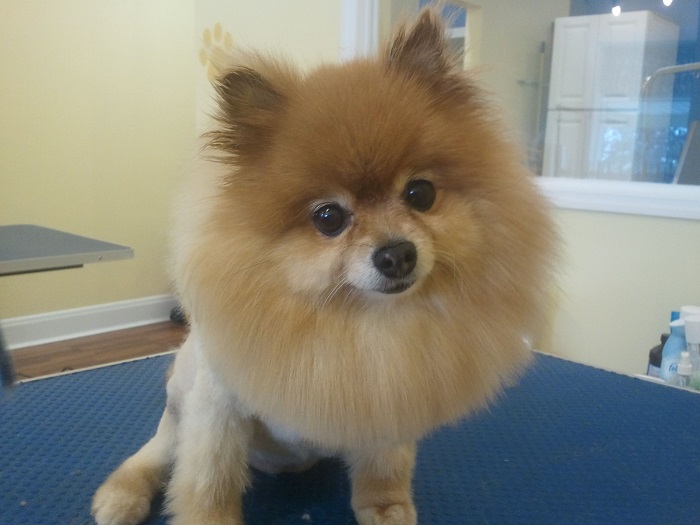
(250, 104)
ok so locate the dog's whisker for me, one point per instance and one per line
(333, 292)
(446, 259)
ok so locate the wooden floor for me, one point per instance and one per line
(74, 354)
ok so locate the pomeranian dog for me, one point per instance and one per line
(363, 258)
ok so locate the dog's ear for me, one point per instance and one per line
(250, 101)
(421, 48)
(420, 51)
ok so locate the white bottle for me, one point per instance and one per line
(688, 310)
(692, 346)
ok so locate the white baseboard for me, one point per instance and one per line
(78, 322)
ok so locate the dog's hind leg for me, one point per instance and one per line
(125, 497)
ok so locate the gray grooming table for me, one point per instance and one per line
(25, 248)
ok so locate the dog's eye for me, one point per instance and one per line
(420, 194)
(330, 219)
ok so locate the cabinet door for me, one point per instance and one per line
(573, 60)
(566, 144)
(613, 139)
(620, 57)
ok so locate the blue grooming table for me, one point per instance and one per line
(569, 444)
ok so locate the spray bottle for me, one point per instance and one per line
(671, 354)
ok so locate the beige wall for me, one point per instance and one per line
(621, 278)
(306, 31)
(97, 121)
(97, 117)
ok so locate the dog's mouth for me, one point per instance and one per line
(396, 287)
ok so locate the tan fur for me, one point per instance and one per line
(293, 353)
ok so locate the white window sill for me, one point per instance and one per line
(637, 198)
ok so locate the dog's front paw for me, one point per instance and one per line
(116, 504)
(397, 514)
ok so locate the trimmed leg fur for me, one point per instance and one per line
(211, 469)
(381, 486)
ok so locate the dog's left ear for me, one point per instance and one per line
(421, 48)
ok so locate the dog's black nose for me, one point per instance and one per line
(396, 260)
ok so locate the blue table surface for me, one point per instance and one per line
(568, 444)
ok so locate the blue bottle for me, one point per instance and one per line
(671, 353)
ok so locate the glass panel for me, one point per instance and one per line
(636, 108)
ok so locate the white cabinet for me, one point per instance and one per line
(599, 64)
(573, 63)
(567, 143)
